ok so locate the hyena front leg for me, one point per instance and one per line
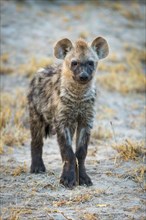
(68, 177)
(83, 136)
(36, 127)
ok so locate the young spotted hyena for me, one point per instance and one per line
(61, 98)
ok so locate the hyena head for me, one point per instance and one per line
(80, 59)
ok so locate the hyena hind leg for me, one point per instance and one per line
(37, 132)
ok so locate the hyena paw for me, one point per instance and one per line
(68, 178)
(84, 179)
(37, 166)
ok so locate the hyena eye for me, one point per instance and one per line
(74, 63)
(90, 63)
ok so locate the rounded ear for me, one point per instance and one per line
(62, 47)
(100, 46)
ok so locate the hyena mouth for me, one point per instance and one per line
(82, 81)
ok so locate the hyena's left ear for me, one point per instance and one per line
(62, 47)
(100, 46)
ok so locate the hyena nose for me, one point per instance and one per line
(83, 76)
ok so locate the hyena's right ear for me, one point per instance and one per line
(62, 47)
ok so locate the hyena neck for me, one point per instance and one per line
(76, 91)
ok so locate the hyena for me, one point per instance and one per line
(61, 99)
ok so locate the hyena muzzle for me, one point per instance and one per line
(61, 99)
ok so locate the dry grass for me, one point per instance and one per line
(19, 170)
(101, 133)
(134, 209)
(140, 174)
(137, 174)
(4, 67)
(14, 136)
(12, 106)
(13, 119)
(5, 115)
(1, 146)
(113, 58)
(105, 112)
(4, 58)
(130, 149)
(6, 70)
(76, 200)
(65, 19)
(33, 65)
(130, 12)
(115, 68)
(15, 213)
(89, 216)
(84, 34)
(127, 75)
(123, 82)
(78, 8)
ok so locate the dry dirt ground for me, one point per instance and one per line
(29, 29)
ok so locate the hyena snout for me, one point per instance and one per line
(84, 77)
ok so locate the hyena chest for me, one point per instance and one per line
(71, 112)
(64, 111)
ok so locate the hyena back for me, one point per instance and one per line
(61, 99)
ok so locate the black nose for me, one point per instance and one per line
(83, 77)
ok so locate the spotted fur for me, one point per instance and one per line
(61, 100)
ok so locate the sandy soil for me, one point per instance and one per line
(30, 29)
